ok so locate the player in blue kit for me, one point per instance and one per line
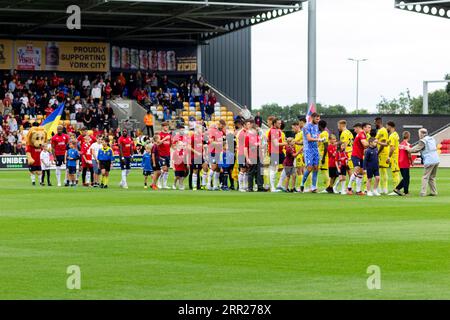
(311, 137)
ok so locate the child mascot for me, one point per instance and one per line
(36, 137)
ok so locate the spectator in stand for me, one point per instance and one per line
(86, 86)
(165, 83)
(87, 119)
(113, 123)
(196, 92)
(55, 81)
(96, 94)
(154, 82)
(121, 83)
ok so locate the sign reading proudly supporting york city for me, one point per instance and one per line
(61, 56)
(167, 60)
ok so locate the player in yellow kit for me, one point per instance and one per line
(297, 128)
(323, 147)
(346, 137)
(382, 138)
(394, 143)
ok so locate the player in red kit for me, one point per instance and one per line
(59, 142)
(126, 149)
(360, 143)
(86, 160)
(164, 154)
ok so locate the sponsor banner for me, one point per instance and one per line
(168, 60)
(6, 54)
(61, 56)
(13, 162)
(20, 162)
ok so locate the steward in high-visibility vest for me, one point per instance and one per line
(148, 121)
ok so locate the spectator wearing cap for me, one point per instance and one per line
(428, 150)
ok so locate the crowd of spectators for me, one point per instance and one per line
(27, 98)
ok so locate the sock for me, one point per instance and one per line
(282, 178)
(166, 176)
(315, 175)
(326, 178)
(396, 178)
(336, 183)
(299, 180)
(216, 179)
(66, 180)
(359, 180)
(240, 180)
(350, 181)
(58, 175)
(210, 176)
(33, 178)
(124, 177)
(204, 178)
(194, 180)
(106, 181)
(383, 180)
(305, 177)
(245, 180)
(343, 187)
(272, 175)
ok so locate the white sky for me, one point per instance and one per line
(404, 48)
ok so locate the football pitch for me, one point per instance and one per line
(144, 244)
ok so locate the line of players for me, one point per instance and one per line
(211, 156)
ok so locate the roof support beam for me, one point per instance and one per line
(215, 3)
(422, 3)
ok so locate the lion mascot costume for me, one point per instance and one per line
(36, 138)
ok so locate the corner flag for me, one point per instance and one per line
(312, 109)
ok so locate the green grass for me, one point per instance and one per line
(137, 244)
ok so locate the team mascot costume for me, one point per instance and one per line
(36, 138)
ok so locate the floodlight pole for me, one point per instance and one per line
(357, 80)
(425, 109)
(312, 52)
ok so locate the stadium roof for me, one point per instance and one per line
(438, 8)
(137, 20)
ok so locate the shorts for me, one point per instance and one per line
(147, 173)
(350, 164)
(105, 165)
(382, 162)
(372, 172)
(323, 166)
(213, 158)
(60, 160)
(72, 170)
(344, 170)
(95, 167)
(312, 159)
(394, 165)
(180, 174)
(34, 168)
(289, 171)
(277, 159)
(241, 162)
(357, 162)
(332, 172)
(164, 161)
(125, 163)
(299, 163)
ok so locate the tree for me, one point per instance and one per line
(438, 103)
(402, 105)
